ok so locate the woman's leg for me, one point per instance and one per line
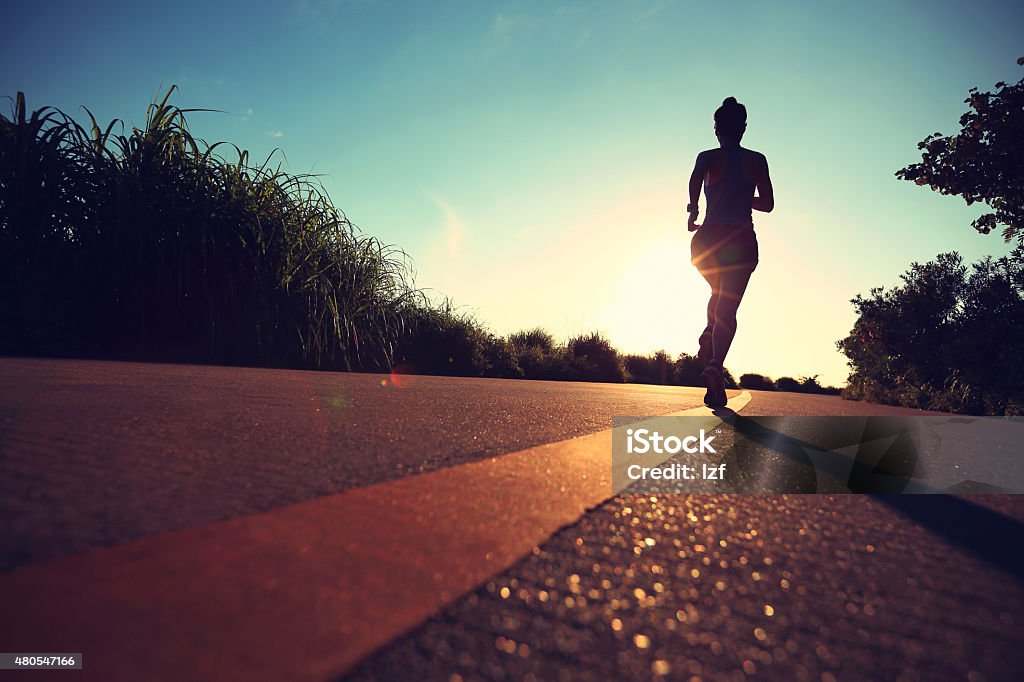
(715, 396)
(706, 348)
(732, 283)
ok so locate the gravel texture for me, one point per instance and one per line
(706, 587)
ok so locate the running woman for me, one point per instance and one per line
(724, 248)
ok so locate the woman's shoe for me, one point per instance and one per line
(715, 395)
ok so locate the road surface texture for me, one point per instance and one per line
(96, 453)
(128, 472)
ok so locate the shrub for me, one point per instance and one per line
(438, 340)
(756, 382)
(594, 359)
(947, 338)
(501, 359)
(539, 357)
(787, 384)
(646, 369)
(533, 338)
(688, 370)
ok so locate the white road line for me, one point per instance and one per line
(304, 592)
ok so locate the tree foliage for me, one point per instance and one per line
(788, 384)
(948, 338)
(651, 369)
(984, 162)
(756, 382)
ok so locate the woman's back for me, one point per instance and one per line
(732, 173)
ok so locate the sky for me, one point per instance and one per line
(532, 157)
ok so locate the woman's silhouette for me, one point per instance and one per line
(725, 247)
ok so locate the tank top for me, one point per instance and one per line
(730, 199)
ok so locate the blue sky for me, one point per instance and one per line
(532, 157)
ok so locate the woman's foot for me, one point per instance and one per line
(715, 395)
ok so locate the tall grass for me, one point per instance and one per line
(152, 244)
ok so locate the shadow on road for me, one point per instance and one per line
(884, 466)
(995, 538)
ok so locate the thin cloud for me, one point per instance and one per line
(653, 9)
(275, 133)
(454, 231)
(505, 25)
(583, 38)
(524, 232)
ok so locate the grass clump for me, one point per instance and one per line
(150, 244)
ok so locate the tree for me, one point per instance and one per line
(811, 385)
(756, 382)
(648, 369)
(984, 162)
(788, 384)
(948, 338)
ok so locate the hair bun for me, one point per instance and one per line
(729, 100)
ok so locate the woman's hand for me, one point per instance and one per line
(691, 224)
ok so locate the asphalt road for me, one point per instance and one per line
(97, 453)
(642, 587)
(699, 587)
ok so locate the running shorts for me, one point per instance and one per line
(719, 247)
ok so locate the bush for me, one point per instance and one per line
(534, 362)
(688, 370)
(501, 359)
(594, 359)
(533, 338)
(948, 338)
(756, 382)
(437, 340)
(539, 357)
(646, 369)
(787, 384)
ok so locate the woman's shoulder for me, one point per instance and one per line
(711, 156)
(754, 154)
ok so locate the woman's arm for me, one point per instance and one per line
(765, 199)
(696, 181)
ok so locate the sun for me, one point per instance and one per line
(660, 299)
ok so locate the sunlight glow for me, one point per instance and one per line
(660, 299)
